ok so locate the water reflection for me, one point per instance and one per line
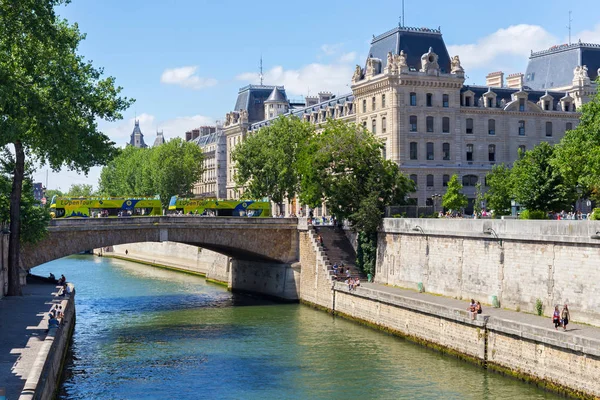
(144, 333)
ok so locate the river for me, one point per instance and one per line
(148, 333)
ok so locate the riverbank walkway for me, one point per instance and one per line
(23, 325)
(521, 320)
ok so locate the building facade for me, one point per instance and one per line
(212, 142)
(412, 95)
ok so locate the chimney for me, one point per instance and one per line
(495, 79)
(188, 136)
(311, 100)
(515, 81)
(324, 96)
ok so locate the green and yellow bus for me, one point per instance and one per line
(220, 208)
(85, 207)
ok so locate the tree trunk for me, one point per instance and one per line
(14, 244)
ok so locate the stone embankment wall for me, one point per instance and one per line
(518, 261)
(564, 363)
(44, 378)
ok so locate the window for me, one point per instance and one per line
(446, 125)
(429, 123)
(365, 124)
(383, 125)
(521, 128)
(429, 99)
(445, 179)
(374, 126)
(383, 101)
(569, 126)
(469, 125)
(489, 102)
(521, 104)
(546, 105)
(470, 180)
(430, 155)
(446, 151)
(492, 126)
(469, 152)
(364, 106)
(548, 129)
(413, 178)
(445, 101)
(521, 151)
(413, 99)
(429, 180)
(413, 151)
(468, 101)
(492, 153)
(413, 123)
(566, 106)
(373, 104)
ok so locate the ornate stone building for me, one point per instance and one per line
(212, 142)
(412, 95)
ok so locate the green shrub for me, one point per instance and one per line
(533, 214)
(539, 307)
(397, 216)
(596, 214)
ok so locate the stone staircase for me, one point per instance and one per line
(336, 248)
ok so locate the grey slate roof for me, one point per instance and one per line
(207, 139)
(415, 42)
(276, 97)
(160, 139)
(252, 97)
(554, 67)
(506, 94)
(137, 132)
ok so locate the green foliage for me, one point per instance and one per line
(267, 161)
(533, 214)
(499, 194)
(537, 184)
(50, 193)
(343, 166)
(577, 156)
(454, 199)
(166, 170)
(479, 199)
(595, 214)
(539, 307)
(81, 190)
(366, 252)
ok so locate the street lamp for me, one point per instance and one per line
(596, 236)
(490, 231)
(417, 228)
(435, 199)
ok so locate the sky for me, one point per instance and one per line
(183, 61)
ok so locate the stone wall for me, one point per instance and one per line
(281, 281)
(315, 280)
(554, 261)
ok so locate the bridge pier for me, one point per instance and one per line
(278, 280)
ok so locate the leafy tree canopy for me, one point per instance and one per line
(499, 194)
(454, 199)
(81, 190)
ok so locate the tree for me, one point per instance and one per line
(537, 185)
(343, 167)
(167, 170)
(577, 156)
(267, 161)
(499, 194)
(50, 193)
(51, 99)
(81, 190)
(454, 199)
(479, 199)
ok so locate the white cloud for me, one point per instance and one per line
(589, 36)
(348, 57)
(186, 77)
(332, 49)
(312, 77)
(516, 40)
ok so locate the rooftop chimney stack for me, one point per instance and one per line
(515, 81)
(311, 100)
(495, 79)
(324, 96)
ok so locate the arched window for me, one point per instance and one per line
(383, 101)
(374, 126)
(469, 125)
(492, 152)
(491, 126)
(429, 122)
(445, 125)
(414, 178)
(373, 104)
(445, 179)
(383, 125)
(521, 128)
(413, 123)
(430, 155)
(413, 151)
(429, 180)
(364, 106)
(445, 101)
(470, 180)
(446, 151)
(548, 129)
(413, 99)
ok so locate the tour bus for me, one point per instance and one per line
(220, 208)
(85, 207)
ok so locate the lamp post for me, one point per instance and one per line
(490, 231)
(435, 199)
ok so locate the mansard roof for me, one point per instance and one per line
(276, 97)
(415, 42)
(504, 93)
(252, 97)
(553, 68)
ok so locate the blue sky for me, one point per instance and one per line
(183, 60)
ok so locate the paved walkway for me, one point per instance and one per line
(23, 324)
(573, 329)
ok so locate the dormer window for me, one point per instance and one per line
(521, 104)
(468, 101)
(546, 105)
(489, 102)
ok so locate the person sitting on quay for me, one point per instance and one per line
(53, 322)
(356, 282)
(335, 269)
(478, 308)
(62, 280)
(59, 313)
(52, 278)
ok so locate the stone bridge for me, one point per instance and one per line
(268, 240)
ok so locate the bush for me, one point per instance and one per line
(533, 214)
(539, 307)
(595, 214)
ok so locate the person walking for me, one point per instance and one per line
(565, 317)
(556, 317)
